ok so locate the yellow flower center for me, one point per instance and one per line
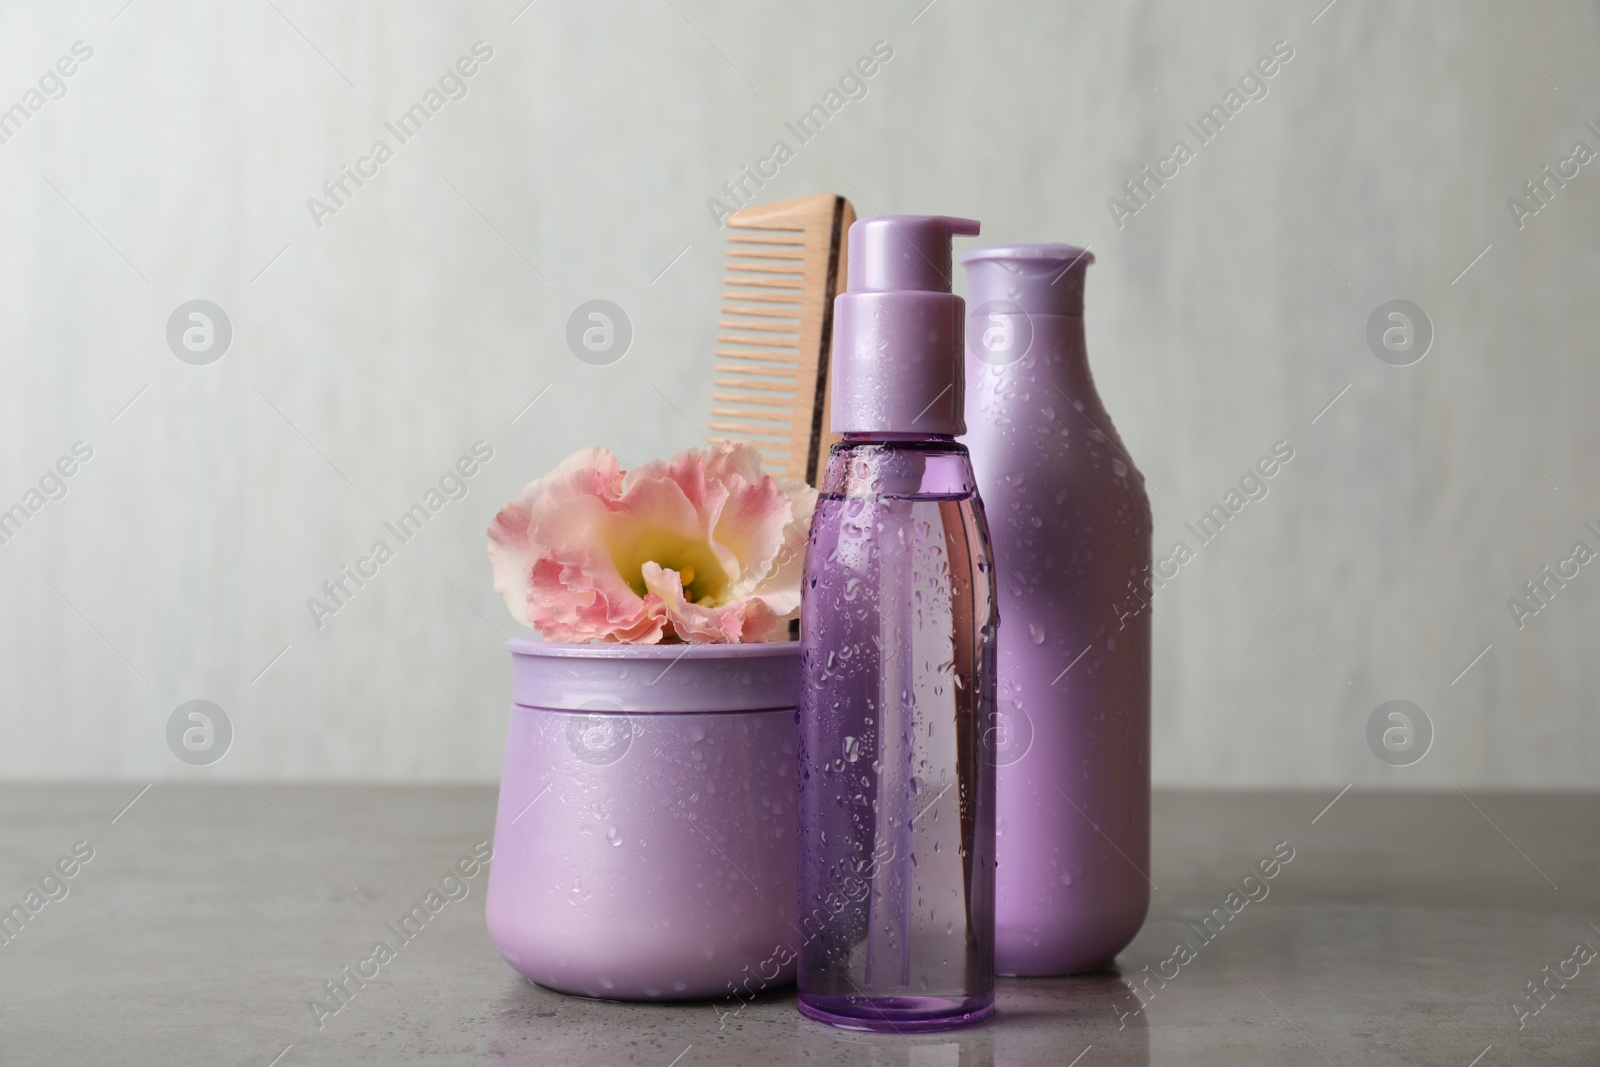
(704, 581)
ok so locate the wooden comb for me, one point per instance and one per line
(786, 262)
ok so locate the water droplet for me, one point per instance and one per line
(1036, 634)
(852, 749)
(1119, 468)
(1066, 879)
(614, 836)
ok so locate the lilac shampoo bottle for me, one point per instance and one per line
(1071, 526)
(897, 637)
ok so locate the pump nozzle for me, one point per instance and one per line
(898, 349)
(899, 252)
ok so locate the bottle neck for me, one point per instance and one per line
(900, 465)
(1050, 378)
(1059, 354)
(875, 437)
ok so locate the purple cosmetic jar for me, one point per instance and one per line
(645, 842)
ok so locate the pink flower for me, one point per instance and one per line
(701, 547)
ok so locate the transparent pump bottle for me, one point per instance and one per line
(897, 634)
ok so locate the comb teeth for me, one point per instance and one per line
(785, 263)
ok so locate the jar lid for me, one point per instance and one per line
(644, 679)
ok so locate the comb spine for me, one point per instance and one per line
(825, 342)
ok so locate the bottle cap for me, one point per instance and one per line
(898, 362)
(1032, 279)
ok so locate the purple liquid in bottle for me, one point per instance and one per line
(898, 633)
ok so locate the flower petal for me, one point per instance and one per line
(692, 622)
(568, 603)
(751, 527)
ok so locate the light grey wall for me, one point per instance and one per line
(372, 351)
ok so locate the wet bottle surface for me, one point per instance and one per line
(1072, 536)
(898, 631)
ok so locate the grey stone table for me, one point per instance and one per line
(1405, 929)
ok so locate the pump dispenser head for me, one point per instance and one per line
(898, 363)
